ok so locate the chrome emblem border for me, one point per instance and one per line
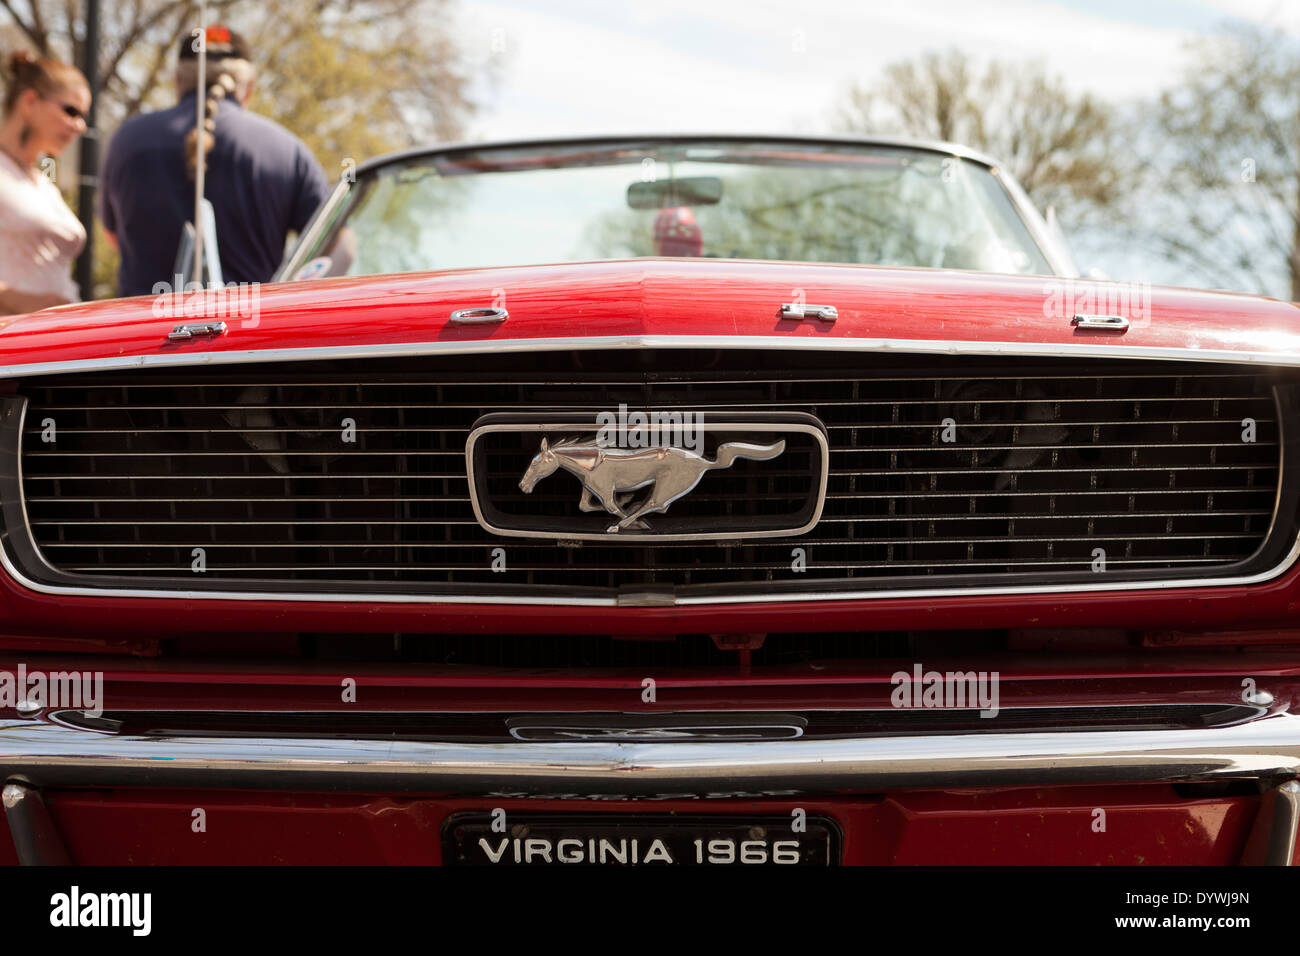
(630, 532)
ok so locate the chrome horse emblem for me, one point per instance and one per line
(611, 476)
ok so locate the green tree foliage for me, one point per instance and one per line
(381, 72)
(356, 80)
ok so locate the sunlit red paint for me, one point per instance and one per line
(127, 638)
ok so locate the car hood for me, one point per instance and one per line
(653, 302)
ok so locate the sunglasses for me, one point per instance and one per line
(70, 111)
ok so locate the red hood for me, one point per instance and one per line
(662, 297)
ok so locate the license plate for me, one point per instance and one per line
(541, 839)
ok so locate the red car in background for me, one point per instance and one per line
(664, 500)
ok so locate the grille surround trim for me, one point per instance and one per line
(598, 342)
(701, 595)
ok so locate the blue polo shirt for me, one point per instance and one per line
(262, 181)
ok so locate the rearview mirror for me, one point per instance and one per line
(668, 193)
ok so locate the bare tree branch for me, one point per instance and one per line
(35, 30)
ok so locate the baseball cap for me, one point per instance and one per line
(220, 40)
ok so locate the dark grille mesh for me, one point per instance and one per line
(1048, 460)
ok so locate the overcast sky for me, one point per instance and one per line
(585, 66)
(614, 66)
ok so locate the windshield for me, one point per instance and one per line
(871, 205)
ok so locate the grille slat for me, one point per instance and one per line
(847, 497)
(1051, 459)
(323, 573)
(706, 406)
(336, 523)
(858, 425)
(828, 542)
(425, 454)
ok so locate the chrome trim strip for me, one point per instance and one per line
(1051, 243)
(51, 755)
(611, 139)
(315, 226)
(22, 501)
(1281, 468)
(557, 600)
(1099, 349)
(1105, 349)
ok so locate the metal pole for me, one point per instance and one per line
(200, 158)
(88, 167)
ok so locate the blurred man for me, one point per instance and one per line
(677, 233)
(262, 181)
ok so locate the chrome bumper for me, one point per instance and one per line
(49, 755)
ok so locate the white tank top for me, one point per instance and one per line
(39, 235)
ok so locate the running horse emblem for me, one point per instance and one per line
(611, 476)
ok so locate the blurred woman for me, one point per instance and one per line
(45, 104)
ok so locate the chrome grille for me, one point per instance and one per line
(961, 469)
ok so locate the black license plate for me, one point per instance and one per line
(560, 839)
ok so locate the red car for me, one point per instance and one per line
(670, 500)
